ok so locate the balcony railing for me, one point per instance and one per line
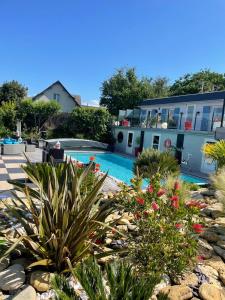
(179, 122)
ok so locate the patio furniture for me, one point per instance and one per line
(11, 149)
(30, 147)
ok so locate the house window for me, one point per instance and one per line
(205, 123)
(56, 97)
(130, 139)
(155, 142)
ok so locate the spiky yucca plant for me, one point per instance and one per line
(152, 161)
(219, 183)
(61, 214)
(216, 151)
(118, 282)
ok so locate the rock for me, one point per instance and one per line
(123, 221)
(196, 195)
(211, 273)
(108, 241)
(122, 228)
(208, 193)
(205, 249)
(12, 278)
(216, 263)
(177, 292)
(222, 275)
(215, 211)
(221, 244)
(40, 280)
(4, 263)
(189, 279)
(128, 216)
(132, 227)
(219, 251)
(28, 292)
(220, 221)
(209, 292)
(210, 236)
(163, 283)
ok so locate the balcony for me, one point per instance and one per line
(198, 122)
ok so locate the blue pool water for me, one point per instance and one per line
(119, 166)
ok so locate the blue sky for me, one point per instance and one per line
(82, 42)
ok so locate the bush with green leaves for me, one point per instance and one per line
(152, 161)
(216, 151)
(166, 226)
(117, 282)
(61, 216)
(8, 115)
(218, 181)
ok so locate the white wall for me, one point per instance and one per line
(66, 102)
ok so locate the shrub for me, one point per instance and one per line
(151, 161)
(61, 216)
(121, 281)
(8, 115)
(216, 151)
(219, 183)
(164, 241)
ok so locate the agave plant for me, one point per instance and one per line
(118, 282)
(152, 161)
(216, 151)
(61, 215)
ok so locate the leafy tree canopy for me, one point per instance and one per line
(203, 81)
(12, 91)
(124, 90)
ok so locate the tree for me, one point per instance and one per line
(8, 115)
(216, 152)
(91, 123)
(34, 114)
(202, 81)
(124, 90)
(12, 91)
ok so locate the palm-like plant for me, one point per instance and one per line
(216, 151)
(118, 282)
(61, 214)
(151, 161)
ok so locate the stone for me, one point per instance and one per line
(165, 281)
(128, 216)
(40, 280)
(132, 227)
(211, 273)
(205, 249)
(215, 262)
(209, 292)
(189, 279)
(28, 292)
(177, 292)
(222, 275)
(219, 251)
(12, 278)
(4, 263)
(221, 244)
(214, 211)
(123, 221)
(210, 236)
(122, 228)
(108, 241)
(220, 221)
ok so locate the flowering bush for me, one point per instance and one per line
(165, 241)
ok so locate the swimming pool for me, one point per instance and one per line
(120, 166)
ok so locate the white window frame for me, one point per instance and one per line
(203, 155)
(159, 145)
(194, 110)
(56, 97)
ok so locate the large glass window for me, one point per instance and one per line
(206, 120)
(190, 112)
(155, 142)
(217, 117)
(174, 117)
(164, 115)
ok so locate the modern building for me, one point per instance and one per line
(58, 92)
(182, 124)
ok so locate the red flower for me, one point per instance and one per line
(174, 198)
(80, 165)
(160, 192)
(98, 241)
(155, 206)
(198, 228)
(176, 185)
(140, 201)
(92, 158)
(178, 225)
(146, 213)
(195, 203)
(150, 188)
(137, 215)
(97, 166)
(200, 257)
(97, 170)
(113, 231)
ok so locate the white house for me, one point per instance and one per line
(58, 92)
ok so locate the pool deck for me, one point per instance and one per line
(10, 168)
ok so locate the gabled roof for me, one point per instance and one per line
(54, 83)
(185, 98)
